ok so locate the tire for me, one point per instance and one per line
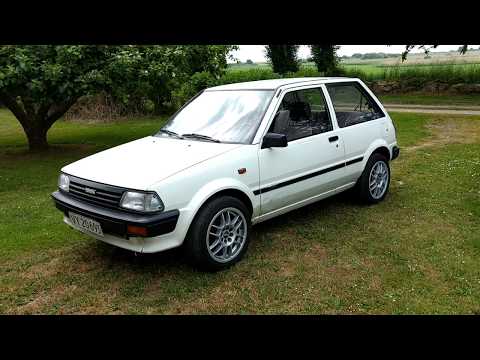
(380, 163)
(231, 243)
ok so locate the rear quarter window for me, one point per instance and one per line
(352, 104)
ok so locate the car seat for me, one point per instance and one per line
(300, 117)
(280, 124)
(300, 111)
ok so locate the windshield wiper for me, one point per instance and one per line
(200, 136)
(171, 133)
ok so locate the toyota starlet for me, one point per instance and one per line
(233, 156)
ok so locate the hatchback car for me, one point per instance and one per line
(233, 156)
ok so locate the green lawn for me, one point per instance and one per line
(416, 252)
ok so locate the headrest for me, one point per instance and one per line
(300, 110)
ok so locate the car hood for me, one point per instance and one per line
(141, 163)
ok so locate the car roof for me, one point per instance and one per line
(274, 84)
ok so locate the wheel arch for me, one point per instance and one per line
(236, 193)
(383, 150)
(379, 146)
(222, 187)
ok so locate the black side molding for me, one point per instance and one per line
(353, 161)
(307, 176)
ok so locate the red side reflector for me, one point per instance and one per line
(137, 230)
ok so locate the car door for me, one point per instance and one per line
(313, 161)
(360, 121)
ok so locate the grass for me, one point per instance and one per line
(425, 99)
(368, 70)
(416, 252)
(451, 73)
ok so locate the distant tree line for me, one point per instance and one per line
(373, 55)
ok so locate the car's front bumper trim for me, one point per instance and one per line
(115, 222)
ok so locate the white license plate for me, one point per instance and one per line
(86, 224)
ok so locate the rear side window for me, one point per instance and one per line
(352, 104)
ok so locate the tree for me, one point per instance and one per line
(206, 58)
(325, 57)
(250, 62)
(157, 72)
(40, 83)
(283, 58)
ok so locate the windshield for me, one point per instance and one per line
(226, 116)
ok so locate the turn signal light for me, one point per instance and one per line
(137, 230)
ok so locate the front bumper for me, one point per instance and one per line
(115, 222)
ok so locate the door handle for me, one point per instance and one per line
(333, 138)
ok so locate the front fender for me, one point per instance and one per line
(216, 186)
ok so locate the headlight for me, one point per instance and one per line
(63, 182)
(139, 201)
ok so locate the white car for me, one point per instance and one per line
(233, 156)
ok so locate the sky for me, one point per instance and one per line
(256, 52)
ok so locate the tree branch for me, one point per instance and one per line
(11, 103)
(55, 113)
(28, 107)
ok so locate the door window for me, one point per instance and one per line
(302, 113)
(352, 104)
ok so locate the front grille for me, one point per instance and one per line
(95, 193)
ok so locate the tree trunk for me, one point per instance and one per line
(37, 139)
(36, 122)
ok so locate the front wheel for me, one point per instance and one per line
(219, 234)
(375, 180)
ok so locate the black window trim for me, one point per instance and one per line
(302, 88)
(363, 91)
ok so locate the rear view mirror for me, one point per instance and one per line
(274, 140)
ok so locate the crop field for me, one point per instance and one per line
(443, 72)
(416, 252)
(449, 67)
(470, 57)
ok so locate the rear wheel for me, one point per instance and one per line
(219, 234)
(374, 183)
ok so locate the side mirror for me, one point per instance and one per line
(274, 140)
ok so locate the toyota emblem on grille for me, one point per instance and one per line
(90, 191)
